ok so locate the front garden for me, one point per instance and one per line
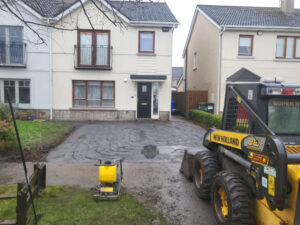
(37, 137)
(72, 206)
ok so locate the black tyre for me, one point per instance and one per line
(206, 166)
(231, 200)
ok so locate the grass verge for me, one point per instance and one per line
(34, 134)
(72, 206)
(37, 139)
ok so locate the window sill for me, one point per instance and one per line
(92, 68)
(245, 57)
(13, 65)
(286, 60)
(92, 109)
(145, 54)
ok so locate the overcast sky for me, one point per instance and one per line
(184, 11)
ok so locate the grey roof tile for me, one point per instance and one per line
(244, 75)
(251, 16)
(145, 11)
(177, 73)
(133, 10)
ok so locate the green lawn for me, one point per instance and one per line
(35, 134)
(72, 206)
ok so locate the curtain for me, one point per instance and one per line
(245, 46)
(94, 93)
(86, 48)
(79, 94)
(146, 42)
(108, 94)
(280, 47)
(102, 49)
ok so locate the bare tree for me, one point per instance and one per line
(109, 11)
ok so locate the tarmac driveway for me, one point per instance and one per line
(140, 141)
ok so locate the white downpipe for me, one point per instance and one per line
(219, 70)
(50, 73)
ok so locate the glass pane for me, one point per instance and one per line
(2, 46)
(102, 49)
(24, 94)
(94, 93)
(16, 45)
(79, 90)
(280, 47)
(79, 102)
(86, 48)
(283, 115)
(108, 90)
(12, 91)
(108, 104)
(297, 47)
(245, 46)
(290, 48)
(146, 42)
(155, 99)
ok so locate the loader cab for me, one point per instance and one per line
(276, 104)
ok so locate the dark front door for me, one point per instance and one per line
(144, 100)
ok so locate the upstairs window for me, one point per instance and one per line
(146, 41)
(246, 45)
(11, 45)
(94, 48)
(288, 47)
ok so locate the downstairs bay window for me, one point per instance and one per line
(94, 94)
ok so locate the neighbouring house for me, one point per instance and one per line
(177, 77)
(113, 73)
(224, 39)
(25, 63)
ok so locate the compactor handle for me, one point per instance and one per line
(293, 158)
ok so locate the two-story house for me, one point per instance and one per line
(224, 39)
(97, 71)
(106, 72)
(25, 62)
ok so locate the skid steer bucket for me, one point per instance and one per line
(187, 165)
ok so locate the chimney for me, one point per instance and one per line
(287, 6)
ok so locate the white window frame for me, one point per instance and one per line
(16, 104)
(195, 61)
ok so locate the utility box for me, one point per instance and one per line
(206, 107)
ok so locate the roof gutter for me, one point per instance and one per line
(264, 28)
(154, 23)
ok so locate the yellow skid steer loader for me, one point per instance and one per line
(250, 169)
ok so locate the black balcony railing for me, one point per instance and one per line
(13, 54)
(93, 57)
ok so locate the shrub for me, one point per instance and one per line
(208, 120)
(6, 128)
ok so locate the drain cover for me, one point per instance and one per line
(150, 151)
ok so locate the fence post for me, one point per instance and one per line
(21, 205)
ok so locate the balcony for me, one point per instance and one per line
(13, 55)
(93, 57)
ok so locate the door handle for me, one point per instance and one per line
(144, 103)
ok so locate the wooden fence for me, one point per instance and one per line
(38, 184)
(190, 100)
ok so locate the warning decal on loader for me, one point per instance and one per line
(271, 189)
(227, 138)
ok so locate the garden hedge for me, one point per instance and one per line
(208, 120)
(6, 128)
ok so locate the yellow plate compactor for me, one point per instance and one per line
(110, 177)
